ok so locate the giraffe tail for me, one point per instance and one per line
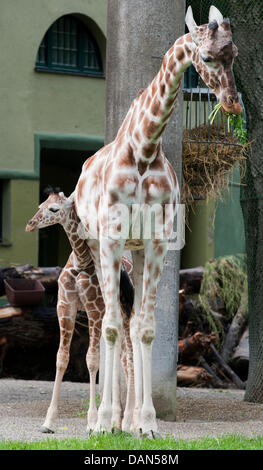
(126, 292)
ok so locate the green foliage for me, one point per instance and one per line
(236, 121)
(225, 279)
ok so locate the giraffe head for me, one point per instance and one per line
(213, 56)
(54, 210)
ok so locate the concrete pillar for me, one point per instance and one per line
(139, 33)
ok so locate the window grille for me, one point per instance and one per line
(69, 47)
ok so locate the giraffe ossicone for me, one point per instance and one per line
(78, 288)
(131, 170)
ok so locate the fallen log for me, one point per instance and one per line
(190, 279)
(189, 376)
(236, 328)
(191, 347)
(231, 374)
(6, 312)
(240, 359)
(29, 343)
(217, 381)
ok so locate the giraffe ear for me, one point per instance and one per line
(215, 15)
(191, 24)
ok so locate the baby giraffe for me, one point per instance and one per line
(78, 289)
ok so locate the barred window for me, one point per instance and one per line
(69, 47)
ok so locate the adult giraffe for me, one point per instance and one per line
(130, 171)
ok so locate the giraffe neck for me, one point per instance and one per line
(79, 246)
(149, 113)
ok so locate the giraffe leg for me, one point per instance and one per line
(138, 266)
(155, 252)
(93, 359)
(66, 315)
(110, 256)
(92, 301)
(127, 362)
(116, 417)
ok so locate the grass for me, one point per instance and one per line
(127, 442)
(237, 122)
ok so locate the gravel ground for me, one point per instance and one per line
(200, 412)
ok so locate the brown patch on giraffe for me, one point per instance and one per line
(154, 86)
(172, 65)
(92, 294)
(179, 53)
(156, 107)
(131, 159)
(116, 265)
(148, 101)
(168, 79)
(149, 127)
(156, 165)
(159, 250)
(65, 323)
(157, 272)
(141, 116)
(113, 197)
(148, 150)
(206, 76)
(187, 50)
(162, 90)
(142, 166)
(212, 84)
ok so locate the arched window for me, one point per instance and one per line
(69, 47)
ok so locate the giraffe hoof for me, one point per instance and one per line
(46, 430)
(152, 435)
(116, 431)
(138, 434)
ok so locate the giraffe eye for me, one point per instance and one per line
(54, 209)
(207, 59)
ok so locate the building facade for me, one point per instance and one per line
(52, 94)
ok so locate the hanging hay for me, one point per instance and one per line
(208, 158)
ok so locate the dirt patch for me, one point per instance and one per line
(200, 412)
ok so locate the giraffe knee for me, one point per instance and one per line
(93, 360)
(147, 335)
(111, 334)
(62, 360)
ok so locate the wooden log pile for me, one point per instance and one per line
(207, 358)
(212, 352)
(29, 335)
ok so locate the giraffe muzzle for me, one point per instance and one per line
(31, 226)
(232, 105)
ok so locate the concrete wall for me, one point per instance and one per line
(38, 102)
(139, 34)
